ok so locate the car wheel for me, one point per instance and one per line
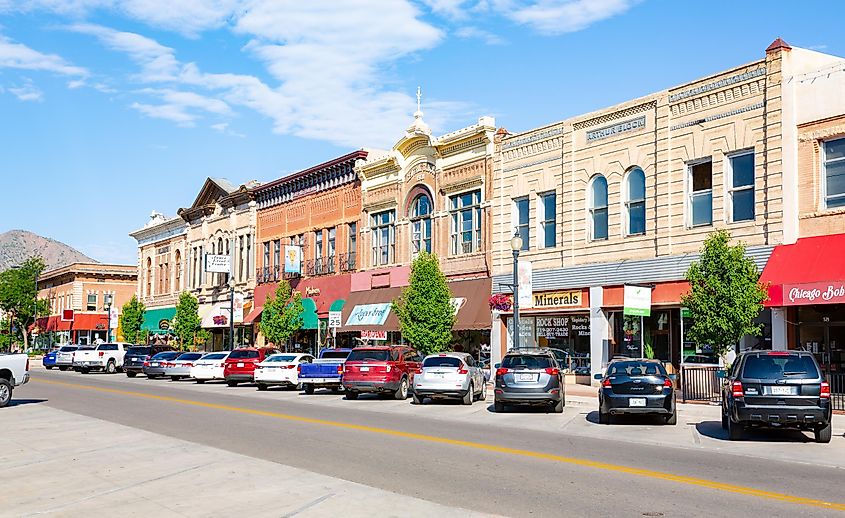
(337, 389)
(558, 407)
(416, 399)
(174, 378)
(62, 369)
(48, 367)
(351, 395)
(200, 382)
(498, 407)
(823, 434)
(262, 386)
(308, 388)
(5, 392)
(734, 430)
(672, 418)
(604, 417)
(131, 374)
(232, 383)
(110, 367)
(483, 394)
(84, 370)
(469, 396)
(402, 392)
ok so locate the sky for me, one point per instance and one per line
(111, 109)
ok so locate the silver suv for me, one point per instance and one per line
(449, 375)
(529, 377)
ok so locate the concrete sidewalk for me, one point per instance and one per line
(61, 464)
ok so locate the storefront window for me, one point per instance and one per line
(821, 330)
(569, 333)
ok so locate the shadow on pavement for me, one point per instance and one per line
(19, 402)
(713, 429)
(523, 409)
(628, 420)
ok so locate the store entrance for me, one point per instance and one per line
(827, 342)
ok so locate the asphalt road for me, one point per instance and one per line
(473, 465)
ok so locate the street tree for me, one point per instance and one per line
(425, 311)
(725, 294)
(18, 296)
(282, 314)
(131, 319)
(186, 322)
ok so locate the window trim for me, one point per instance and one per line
(517, 226)
(391, 237)
(823, 180)
(475, 210)
(688, 192)
(542, 221)
(419, 237)
(592, 209)
(629, 202)
(730, 189)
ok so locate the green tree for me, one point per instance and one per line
(131, 318)
(424, 309)
(18, 296)
(186, 322)
(725, 294)
(282, 315)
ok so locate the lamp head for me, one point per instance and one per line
(516, 242)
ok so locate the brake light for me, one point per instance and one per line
(101, 353)
(299, 369)
(552, 371)
(340, 369)
(501, 371)
(605, 383)
(419, 370)
(290, 366)
(463, 370)
(667, 383)
(736, 389)
(825, 390)
(778, 353)
(146, 364)
(188, 364)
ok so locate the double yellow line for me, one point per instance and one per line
(681, 479)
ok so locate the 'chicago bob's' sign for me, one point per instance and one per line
(815, 293)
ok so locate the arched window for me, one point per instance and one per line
(177, 286)
(149, 277)
(221, 277)
(598, 208)
(420, 216)
(635, 201)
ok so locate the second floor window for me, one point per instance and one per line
(318, 244)
(384, 236)
(548, 225)
(420, 216)
(277, 253)
(834, 173)
(266, 263)
(522, 221)
(331, 243)
(465, 212)
(598, 208)
(700, 185)
(635, 201)
(741, 184)
(352, 245)
(92, 302)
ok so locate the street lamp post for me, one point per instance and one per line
(516, 246)
(231, 313)
(107, 299)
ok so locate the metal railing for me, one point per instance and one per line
(700, 384)
(346, 262)
(267, 274)
(837, 390)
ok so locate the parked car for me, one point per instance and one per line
(529, 377)
(636, 387)
(777, 389)
(49, 359)
(280, 370)
(209, 367)
(106, 357)
(562, 358)
(133, 362)
(154, 367)
(324, 372)
(380, 369)
(701, 359)
(14, 372)
(240, 365)
(79, 350)
(449, 375)
(64, 357)
(180, 367)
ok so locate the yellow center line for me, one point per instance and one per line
(681, 479)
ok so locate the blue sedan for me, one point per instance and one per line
(49, 360)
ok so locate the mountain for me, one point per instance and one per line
(16, 246)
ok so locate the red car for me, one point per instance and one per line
(383, 370)
(240, 364)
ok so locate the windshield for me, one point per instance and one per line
(442, 361)
(68, 349)
(214, 356)
(107, 347)
(635, 368)
(168, 355)
(139, 350)
(377, 355)
(281, 358)
(335, 354)
(190, 356)
(793, 366)
(527, 361)
(243, 353)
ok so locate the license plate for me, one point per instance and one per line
(365, 369)
(782, 391)
(240, 364)
(153, 365)
(636, 401)
(525, 377)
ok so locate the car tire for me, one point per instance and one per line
(131, 374)
(498, 407)
(48, 367)
(604, 417)
(174, 378)
(308, 388)
(84, 370)
(351, 394)
(671, 419)
(5, 392)
(734, 430)
(483, 394)
(415, 399)
(111, 368)
(558, 407)
(200, 382)
(469, 396)
(262, 386)
(402, 392)
(337, 390)
(232, 383)
(62, 368)
(823, 435)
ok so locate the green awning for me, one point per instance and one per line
(309, 314)
(337, 305)
(158, 321)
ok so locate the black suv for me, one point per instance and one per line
(133, 360)
(776, 389)
(529, 377)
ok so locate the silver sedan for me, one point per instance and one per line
(450, 375)
(181, 366)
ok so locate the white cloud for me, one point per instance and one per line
(157, 62)
(554, 17)
(223, 127)
(450, 8)
(191, 100)
(170, 112)
(479, 34)
(27, 92)
(17, 55)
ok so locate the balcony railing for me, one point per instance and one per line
(320, 266)
(267, 274)
(346, 262)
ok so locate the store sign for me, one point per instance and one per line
(815, 293)
(457, 303)
(293, 259)
(335, 319)
(238, 313)
(218, 263)
(373, 335)
(524, 278)
(67, 315)
(368, 315)
(637, 301)
(557, 299)
(164, 325)
(552, 327)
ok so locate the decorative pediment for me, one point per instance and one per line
(420, 172)
(212, 191)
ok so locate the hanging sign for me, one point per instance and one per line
(293, 259)
(217, 263)
(637, 301)
(67, 315)
(238, 313)
(524, 277)
(373, 335)
(368, 315)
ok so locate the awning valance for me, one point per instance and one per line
(810, 271)
(254, 315)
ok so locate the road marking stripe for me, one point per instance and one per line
(681, 479)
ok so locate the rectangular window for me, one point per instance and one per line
(548, 225)
(701, 194)
(249, 256)
(92, 302)
(465, 212)
(241, 258)
(277, 252)
(522, 218)
(384, 237)
(741, 192)
(318, 244)
(202, 266)
(331, 242)
(266, 263)
(834, 173)
(352, 247)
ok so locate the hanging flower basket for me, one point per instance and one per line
(501, 302)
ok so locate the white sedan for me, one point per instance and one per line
(280, 369)
(209, 367)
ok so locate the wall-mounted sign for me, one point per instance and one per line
(218, 263)
(615, 129)
(220, 320)
(637, 301)
(557, 299)
(312, 292)
(814, 293)
(293, 259)
(368, 315)
(238, 315)
(457, 303)
(525, 277)
(335, 319)
(373, 335)
(67, 315)
(164, 324)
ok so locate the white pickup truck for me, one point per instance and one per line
(14, 372)
(104, 357)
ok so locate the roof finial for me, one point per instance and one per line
(419, 99)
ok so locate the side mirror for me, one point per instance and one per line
(673, 377)
(497, 365)
(598, 376)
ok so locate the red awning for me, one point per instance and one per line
(809, 272)
(254, 315)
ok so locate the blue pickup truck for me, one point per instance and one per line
(324, 372)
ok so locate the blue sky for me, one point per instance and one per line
(110, 109)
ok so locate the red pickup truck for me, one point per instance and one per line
(240, 364)
(383, 370)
